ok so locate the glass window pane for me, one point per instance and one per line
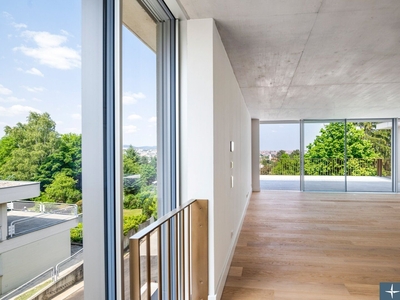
(324, 164)
(280, 157)
(139, 81)
(40, 143)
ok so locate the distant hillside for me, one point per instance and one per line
(142, 147)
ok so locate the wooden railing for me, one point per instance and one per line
(170, 256)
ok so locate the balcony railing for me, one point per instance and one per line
(330, 167)
(170, 257)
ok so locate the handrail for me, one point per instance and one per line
(21, 289)
(57, 267)
(180, 258)
(161, 221)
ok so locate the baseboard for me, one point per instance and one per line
(221, 283)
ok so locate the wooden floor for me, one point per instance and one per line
(311, 246)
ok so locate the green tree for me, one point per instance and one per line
(30, 145)
(131, 161)
(287, 164)
(148, 174)
(280, 153)
(62, 190)
(66, 159)
(325, 155)
(381, 143)
(7, 145)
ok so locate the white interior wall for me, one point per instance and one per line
(214, 113)
(255, 154)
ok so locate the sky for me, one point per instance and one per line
(40, 69)
(277, 137)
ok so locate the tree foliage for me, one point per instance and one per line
(287, 164)
(35, 151)
(28, 146)
(66, 159)
(62, 190)
(325, 155)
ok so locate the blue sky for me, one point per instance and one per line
(286, 136)
(40, 69)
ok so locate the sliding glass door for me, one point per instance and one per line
(354, 155)
(369, 155)
(324, 155)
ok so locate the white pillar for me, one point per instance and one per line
(255, 154)
(93, 188)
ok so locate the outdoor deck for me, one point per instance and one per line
(326, 183)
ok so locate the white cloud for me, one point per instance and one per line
(64, 32)
(131, 98)
(129, 129)
(59, 122)
(36, 99)
(49, 50)
(76, 116)
(11, 99)
(153, 120)
(19, 25)
(4, 90)
(34, 71)
(134, 117)
(16, 110)
(33, 89)
(7, 15)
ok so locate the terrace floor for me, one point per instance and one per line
(316, 246)
(326, 183)
(26, 222)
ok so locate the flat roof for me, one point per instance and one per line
(18, 190)
(26, 222)
(8, 184)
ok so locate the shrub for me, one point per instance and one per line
(133, 222)
(77, 234)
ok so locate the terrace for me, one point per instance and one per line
(25, 217)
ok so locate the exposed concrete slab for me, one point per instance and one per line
(312, 58)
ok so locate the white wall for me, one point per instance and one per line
(214, 113)
(255, 154)
(3, 221)
(22, 264)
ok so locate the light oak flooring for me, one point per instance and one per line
(316, 246)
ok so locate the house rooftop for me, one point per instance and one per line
(8, 184)
(26, 221)
(18, 190)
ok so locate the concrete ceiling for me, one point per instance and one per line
(302, 59)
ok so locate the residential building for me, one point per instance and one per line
(34, 236)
